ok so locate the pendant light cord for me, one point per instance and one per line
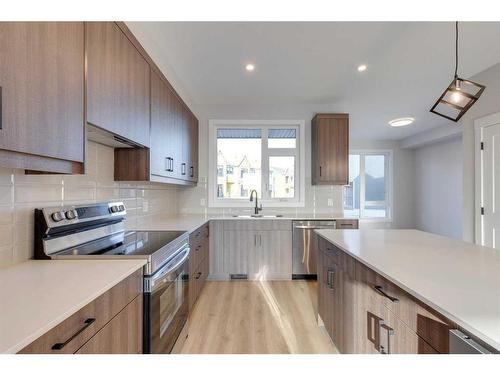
(456, 49)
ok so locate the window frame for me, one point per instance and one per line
(298, 152)
(388, 182)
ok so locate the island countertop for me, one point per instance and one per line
(460, 280)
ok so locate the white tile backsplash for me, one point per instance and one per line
(20, 194)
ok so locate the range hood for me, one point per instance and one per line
(104, 137)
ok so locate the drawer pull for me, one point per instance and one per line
(88, 322)
(380, 290)
(330, 277)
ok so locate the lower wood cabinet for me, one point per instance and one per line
(123, 334)
(366, 314)
(199, 242)
(329, 296)
(112, 323)
(258, 254)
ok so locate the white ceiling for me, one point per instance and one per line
(302, 68)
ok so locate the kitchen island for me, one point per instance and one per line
(419, 277)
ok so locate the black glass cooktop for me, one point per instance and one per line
(131, 243)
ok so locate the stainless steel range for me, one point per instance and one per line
(97, 231)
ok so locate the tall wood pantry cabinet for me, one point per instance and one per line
(330, 149)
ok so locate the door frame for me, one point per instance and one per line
(479, 125)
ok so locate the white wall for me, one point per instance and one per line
(438, 188)
(488, 103)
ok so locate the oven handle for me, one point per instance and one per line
(168, 268)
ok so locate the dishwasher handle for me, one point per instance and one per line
(314, 227)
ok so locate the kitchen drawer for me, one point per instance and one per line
(199, 234)
(122, 335)
(199, 244)
(347, 224)
(197, 280)
(346, 262)
(80, 324)
(257, 224)
(419, 318)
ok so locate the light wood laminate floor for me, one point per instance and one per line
(257, 317)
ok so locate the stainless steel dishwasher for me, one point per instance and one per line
(304, 248)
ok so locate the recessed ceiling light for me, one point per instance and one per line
(362, 68)
(250, 67)
(401, 121)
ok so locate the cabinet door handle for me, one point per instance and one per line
(320, 171)
(169, 164)
(88, 322)
(330, 279)
(192, 172)
(380, 290)
(255, 240)
(183, 169)
(198, 275)
(390, 332)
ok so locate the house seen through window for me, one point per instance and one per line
(257, 158)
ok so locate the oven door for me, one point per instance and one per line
(167, 305)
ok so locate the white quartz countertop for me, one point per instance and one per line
(37, 295)
(191, 222)
(458, 279)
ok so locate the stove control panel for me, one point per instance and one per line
(60, 216)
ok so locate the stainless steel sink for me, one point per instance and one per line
(258, 216)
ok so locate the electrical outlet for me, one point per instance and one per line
(330, 202)
(202, 202)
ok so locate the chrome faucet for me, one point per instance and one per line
(257, 208)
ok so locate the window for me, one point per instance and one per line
(256, 155)
(220, 171)
(368, 192)
(220, 191)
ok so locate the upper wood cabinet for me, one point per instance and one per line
(42, 96)
(118, 83)
(330, 149)
(190, 147)
(173, 154)
(166, 135)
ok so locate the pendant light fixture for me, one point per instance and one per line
(460, 95)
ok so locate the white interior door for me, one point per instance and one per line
(490, 182)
